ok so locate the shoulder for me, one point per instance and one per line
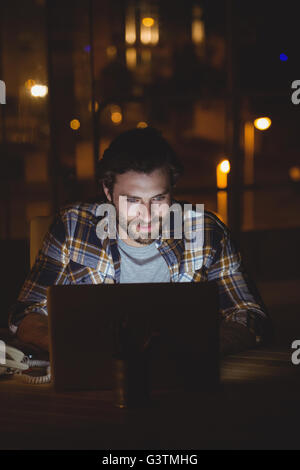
(76, 219)
(84, 212)
(213, 222)
(213, 226)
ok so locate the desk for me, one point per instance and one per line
(257, 406)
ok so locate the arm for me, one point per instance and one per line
(244, 320)
(234, 338)
(33, 329)
(28, 316)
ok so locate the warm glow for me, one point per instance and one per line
(116, 114)
(116, 117)
(248, 196)
(222, 205)
(154, 34)
(111, 52)
(225, 166)
(75, 124)
(223, 169)
(130, 28)
(145, 35)
(146, 56)
(96, 105)
(149, 32)
(131, 57)
(130, 35)
(142, 124)
(29, 84)
(148, 22)
(39, 91)
(262, 123)
(198, 31)
(294, 173)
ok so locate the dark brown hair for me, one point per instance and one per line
(141, 150)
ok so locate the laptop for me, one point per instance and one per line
(176, 324)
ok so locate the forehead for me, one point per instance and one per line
(142, 183)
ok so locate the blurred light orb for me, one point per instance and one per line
(142, 124)
(39, 91)
(294, 173)
(116, 117)
(225, 166)
(75, 124)
(283, 57)
(148, 22)
(262, 123)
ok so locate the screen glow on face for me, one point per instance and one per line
(147, 198)
(136, 217)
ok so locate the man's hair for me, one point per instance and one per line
(142, 150)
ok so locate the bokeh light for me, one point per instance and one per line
(116, 117)
(75, 124)
(225, 166)
(142, 124)
(39, 91)
(148, 22)
(262, 123)
(294, 173)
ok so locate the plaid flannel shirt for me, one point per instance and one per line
(73, 253)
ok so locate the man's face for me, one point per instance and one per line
(145, 195)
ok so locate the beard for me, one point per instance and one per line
(132, 231)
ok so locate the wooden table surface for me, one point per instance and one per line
(256, 406)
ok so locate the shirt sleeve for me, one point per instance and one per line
(50, 268)
(239, 300)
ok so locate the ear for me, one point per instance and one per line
(106, 191)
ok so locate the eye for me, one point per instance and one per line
(158, 198)
(132, 200)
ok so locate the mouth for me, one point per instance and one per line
(144, 228)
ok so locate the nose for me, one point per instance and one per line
(145, 214)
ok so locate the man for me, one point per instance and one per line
(139, 169)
